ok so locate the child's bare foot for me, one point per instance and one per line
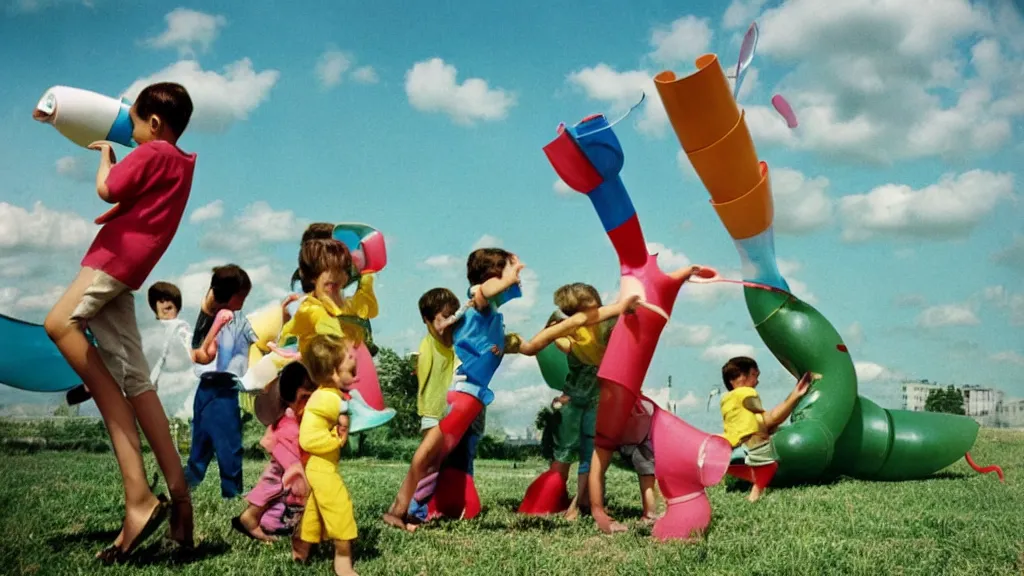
(393, 520)
(343, 567)
(755, 494)
(248, 527)
(648, 519)
(300, 550)
(606, 524)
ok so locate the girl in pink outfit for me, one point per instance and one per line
(277, 500)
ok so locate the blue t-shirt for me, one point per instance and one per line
(475, 337)
(233, 342)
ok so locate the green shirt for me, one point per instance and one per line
(434, 369)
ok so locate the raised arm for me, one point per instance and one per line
(574, 322)
(364, 301)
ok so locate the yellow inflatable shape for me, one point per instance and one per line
(267, 323)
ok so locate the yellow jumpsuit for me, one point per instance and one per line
(321, 317)
(329, 514)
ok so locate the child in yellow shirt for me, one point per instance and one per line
(322, 432)
(748, 426)
(436, 363)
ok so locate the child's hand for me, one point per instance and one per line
(804, 384)
(284, 306)
(557, 403)
(630, 302)
(495, 350)
(106, 151)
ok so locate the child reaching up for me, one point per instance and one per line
(480, 343)
(748, 426)
(322, 432)
(268, 509)
(150, 189)
(583, 336)
(435, 365)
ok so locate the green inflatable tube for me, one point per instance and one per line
(554, 366)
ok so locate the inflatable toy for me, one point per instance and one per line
(31, 361)
(85, 117)
(747, 50)
(589, 158)
(833, 430)
(784, 110)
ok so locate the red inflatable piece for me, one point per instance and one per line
(547, 495)
(760, 476)
(456, 496)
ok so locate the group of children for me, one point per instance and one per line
(94, 326)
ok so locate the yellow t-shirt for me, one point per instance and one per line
(588, 343)
(318, 435)
(738, 421)
(434, 369)
(321, 317)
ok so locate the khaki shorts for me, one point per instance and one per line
(108, 309)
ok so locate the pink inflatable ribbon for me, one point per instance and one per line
(785, 110)
(709, 275)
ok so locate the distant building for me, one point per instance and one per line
(915, 393)
(988, 406)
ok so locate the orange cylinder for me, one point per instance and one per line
(700, 106)
(750, 214)
(728, 168)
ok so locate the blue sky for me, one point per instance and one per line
(897, 202)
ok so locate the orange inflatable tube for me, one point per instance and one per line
(713, 132)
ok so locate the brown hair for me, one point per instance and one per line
(294, 377)
(164, 292)
(315, 231)
(318, 256)
(736, 368)
(577, 296)
(437, 301)
(229, 280)
(321, 355)
(168, 101)
(486, 263)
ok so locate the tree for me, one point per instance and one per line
(950, 401)
(400, 387)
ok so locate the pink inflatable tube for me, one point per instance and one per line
(677, 446)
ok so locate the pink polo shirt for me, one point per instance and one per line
(151, 186)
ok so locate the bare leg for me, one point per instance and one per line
(428, 455)
(343, 558)
(598, 467)
(583, 490)
(117, 413)
(755, 493)
(157, 429)
(650, 505)
(300, 549)
(250, 519)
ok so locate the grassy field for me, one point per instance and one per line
(58, 508)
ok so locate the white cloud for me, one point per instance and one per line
(219, 99)
(788, 268)
(444, 261)
(950, 208)
(741, 13)
(331, 66)
(1008, 357)
(871, 80)
(42, 228)
(691, 335)
(189, 31)
(560, 187)
(431, 86)
(710, 295)
(33, 6)
(1012, 256)
(621, 90)
(802, 204)
(947, 315)
(526, 399)
(15, 302)
(487, 241)
(520, 310)
(723, 352)
(871, 372)
(854, 334)
(910, 300)
(212, 211)
(365, 75)
(668, 259)
(688, 401)
(681, 41)
(74, 168)
(1011, 303)
(258, 223)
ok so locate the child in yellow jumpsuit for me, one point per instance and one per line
(322, 433)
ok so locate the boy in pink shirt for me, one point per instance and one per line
(149, 189)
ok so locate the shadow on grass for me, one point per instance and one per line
(61, 542)
(166, 554)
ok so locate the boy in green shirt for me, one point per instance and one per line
(436, 363)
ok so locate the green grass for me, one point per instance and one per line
(57, 509)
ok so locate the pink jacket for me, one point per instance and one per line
(282, 441)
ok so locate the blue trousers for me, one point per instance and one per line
(460, 458)
(216, 430)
